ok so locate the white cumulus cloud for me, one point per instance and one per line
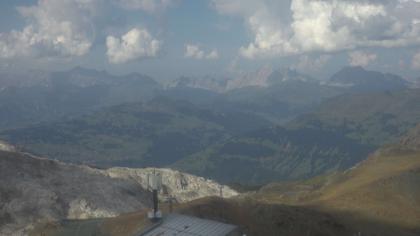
(359, 58)
(150, 6)
(67, 28)
(194, 51)
(281, 28)
(54, 28)
(134, 45)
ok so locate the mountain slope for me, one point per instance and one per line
(383, 188)
(357, 79)
(372, 118)
(155, 133)
(279, 102)
(275, 153)
(71, 92)
(278, 95)
(252, 216)
(411, 141)
(380, 196)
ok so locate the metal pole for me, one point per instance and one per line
(155, 201)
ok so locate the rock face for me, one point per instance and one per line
(263, 77)
(34, 189)
(183, 187)
(6, 147)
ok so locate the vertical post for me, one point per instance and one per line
(155, 201)
(171, 207)
(154, 184)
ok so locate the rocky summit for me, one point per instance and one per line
(34, 190)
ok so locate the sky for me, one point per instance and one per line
(171, 38)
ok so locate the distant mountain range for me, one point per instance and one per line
(280, 94)
(264, 77)
(358, 79)
(355, 79)
(70, 93)
(155, 133)
(273, 126)
(373, 118)
(259, 78)
(294, 127)
(338, 134)
(212, 143)
(23, 78)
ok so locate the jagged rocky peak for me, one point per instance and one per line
(258, 78)
(212, 83)
(285, 75)
(263, 77)
(182, 186)
(85, 77)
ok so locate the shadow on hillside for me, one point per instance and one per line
(274, 219)
(255, 218)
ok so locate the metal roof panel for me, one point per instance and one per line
(182, 225)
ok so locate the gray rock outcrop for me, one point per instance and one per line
(34, 190)
(182, 186)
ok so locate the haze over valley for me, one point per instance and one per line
(156, 117)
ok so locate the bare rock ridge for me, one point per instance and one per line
(35, 189)
(6, 147)
(183, 187)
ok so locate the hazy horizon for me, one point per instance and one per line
(167, 39)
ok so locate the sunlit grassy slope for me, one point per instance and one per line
(379, 196)
(383, 188)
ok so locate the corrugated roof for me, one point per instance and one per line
(181, 225)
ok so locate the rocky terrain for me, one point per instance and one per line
(6, 147)
(183, 187)
(34, 190)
